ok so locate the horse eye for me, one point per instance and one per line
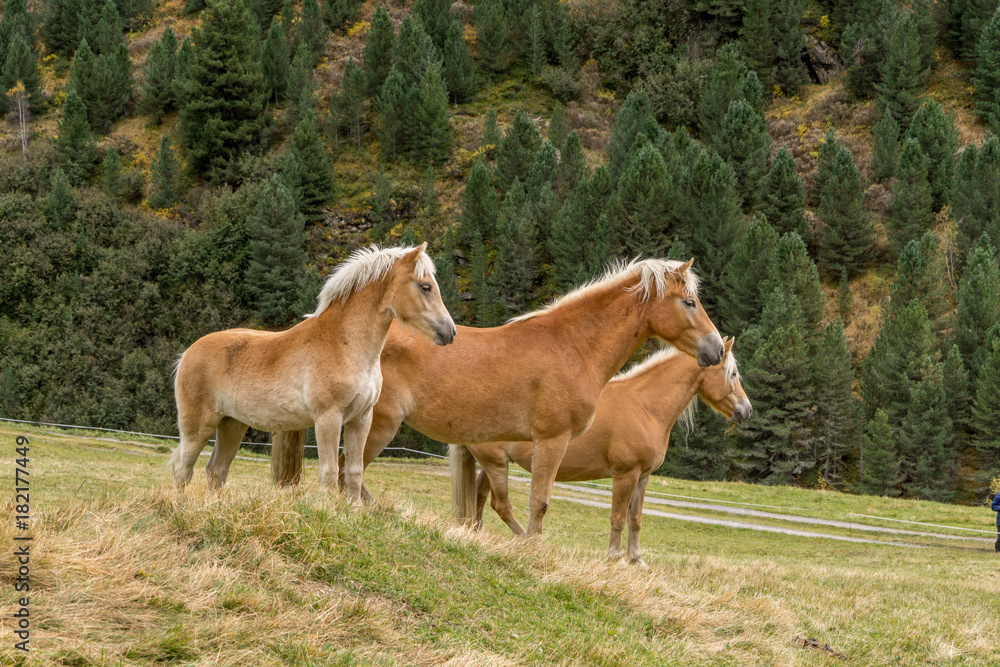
(689, 303)
(426, 287)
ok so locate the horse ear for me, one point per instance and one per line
(413, 254)
(728, 343)
(685, 266)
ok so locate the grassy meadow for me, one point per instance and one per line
(127, 572)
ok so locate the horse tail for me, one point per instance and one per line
(173, 458)
(287, 448)
(463, 483)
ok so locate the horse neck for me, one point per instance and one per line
(361, 321)
(667, 388)
(606, 328)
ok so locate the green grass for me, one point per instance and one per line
(129, 572)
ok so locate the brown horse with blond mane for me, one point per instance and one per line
(627, 441)
(324, 371)
(536, 378)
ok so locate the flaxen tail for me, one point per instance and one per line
(287, 450)
(463, 484)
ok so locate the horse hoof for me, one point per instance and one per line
(641, 564)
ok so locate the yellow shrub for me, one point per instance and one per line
(358, 28)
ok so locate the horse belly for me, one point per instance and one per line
(275, 411)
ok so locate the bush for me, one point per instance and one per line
(561, 82)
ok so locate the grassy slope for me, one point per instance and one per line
(127, 572)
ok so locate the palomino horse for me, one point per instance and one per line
(539, 376)
(627, 440)
(323, 371)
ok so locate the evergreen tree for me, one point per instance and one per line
(111, 173)
(938, 139)
(978, 307)
(752, 93)
(925, 438)
(109, 30)
(978, 208)
(379, 47)
(827, 152)
(572, 164)
(276, 280)
(514, 268)
(542, 171)
(157, 89)
(789, 45)
(845, 300)
(558, 126)
(517, 150)
(75, 145)
(314, 185)
(479, 204)
(743, 142)
(641, 210)
(350, 102)
(459, 67)
(720, 91)
(432, 135)
(846, 237)
(720, 220)
(635, 119)
(435, 16)
(275, 62)
(880, 458)
(885, 149)
(390, 105)
(414, 51)
(902, 73)
(911, 198)
(60, 204)
(567, 243)
(866, 43)
(164, 175)
(783, 200)
(19, 65)
(313, 30)
(986, 76)
(748, 271)
(794, 273)
(59, 28)
(493, 34)
(836, 415)
(985, 419)
(756, 42)
(380, 204)
(482, 287)
(300, 73)
(491, 133)
(960, 394)
(536, 40)
(447, 284)
(222, 116)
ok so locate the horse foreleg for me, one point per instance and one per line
(548, 454)
(497, 472)
(355, 437)
(635, 522)
(482, 493)
(622, 487)
(327, 446)
(385, 423)
(229, 434)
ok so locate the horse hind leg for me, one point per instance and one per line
(287, 453)
(635, 522)
(195, 434)
(497, 474)
(482, 493)
(229, 435)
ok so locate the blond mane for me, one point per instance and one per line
(365, 266)
(652, 274)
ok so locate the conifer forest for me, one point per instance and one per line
(169, 168)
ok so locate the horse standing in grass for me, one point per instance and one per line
(536, 378)
(323, 371)
(627, 440)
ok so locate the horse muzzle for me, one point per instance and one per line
(711, 350)
(742, 412)
(445, 333)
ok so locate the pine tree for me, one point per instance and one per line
(978, 307)
(265, 11)
(380, 204)
(300, 73)
(789, 45)
(911, 198)
(447, 284)
(985, 420)
(572, 165)
(720, 90)
(493, 33)
(313, 30)
(635, 119)
(433, 134)
(977, 210)
(938, 138)
(558, 126)
(379, 47)
(880, 459)
(536, 40)
(902, 73)
(486, 314)
(845, 301)
(111, 173)
(479, 204)
(836, 414)
(109, 30)
(846, 237)
(164, 175)
(59, 29)
(275, 62)
(960, 394)
(157, 89)
(756, 42)
(748, 271)
(75, 145)
(866, 43)
(793, 272)
(517, 150)
(224, 92)
(567, 243)
(414, 51)
(19, 65)
(885, 149)
(350, 101)
(315, 183)
(986, 76)
(390, 105)
(752, 92)
(60, 204)
(514, 268)
(925, 439)
(641, 210)
(275, 275)
(542, 171)
(491, 133)
(783, 200)
(720, 221)
(744, 143)
(827, 152)
(459, 67)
